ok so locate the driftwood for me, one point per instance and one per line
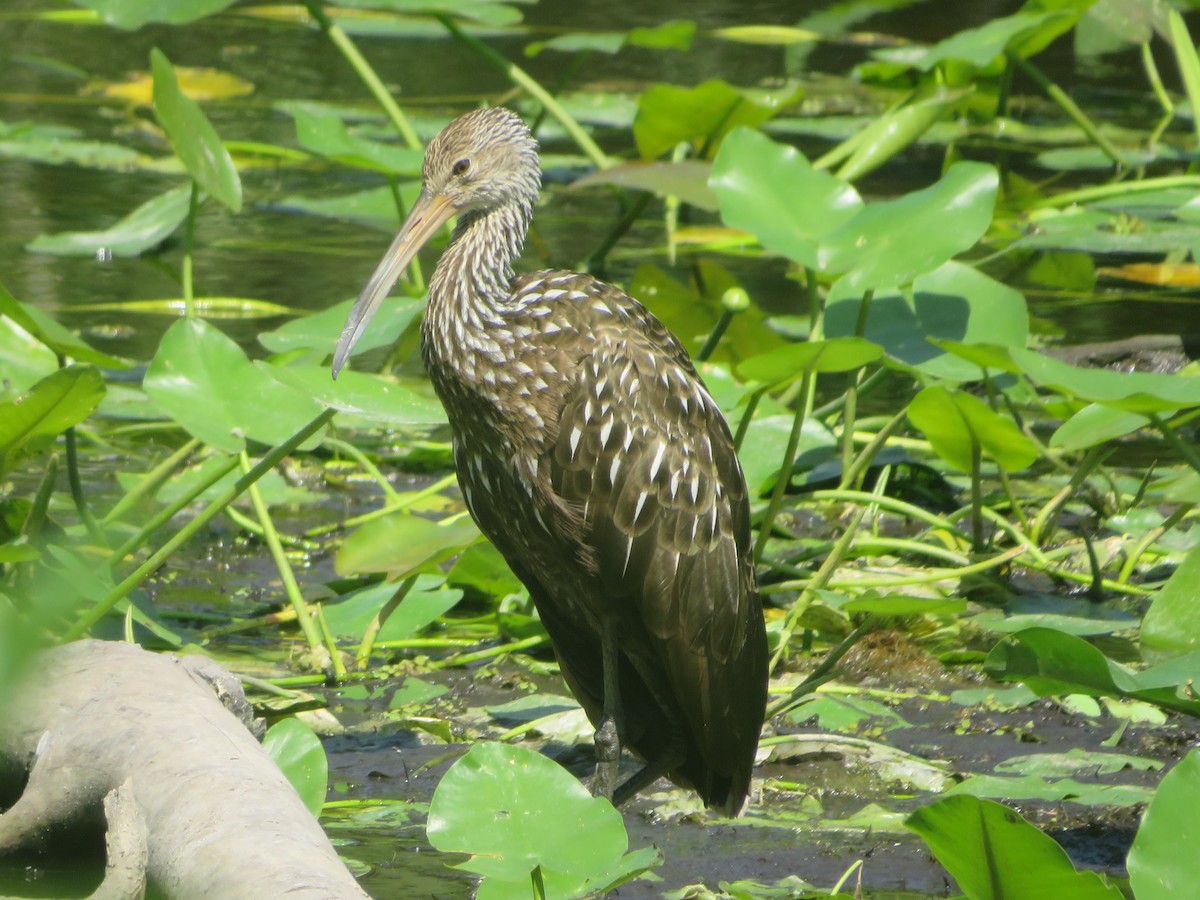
(1162, 353)
(191, 799)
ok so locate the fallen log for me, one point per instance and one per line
(192, 801)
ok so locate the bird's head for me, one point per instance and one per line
(482, 160)
(479, 162)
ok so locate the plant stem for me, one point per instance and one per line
(747, 416)
(96, 612)
(714, 336)
(816, 583)
(523, 79)
(785, 469)
(1067, 105)
(369, 467)
(165, 514)
(151, 481)
(595, 262)
(822, 673)
(976, 495)
(359, 63)
(189, 246)
(404, 502)
(1149, 538)
(286, 576)
(77, 495)
(363, 657)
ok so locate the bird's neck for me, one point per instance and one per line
(475, 273)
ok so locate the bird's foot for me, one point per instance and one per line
(608, 759)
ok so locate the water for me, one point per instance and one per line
(308, 263)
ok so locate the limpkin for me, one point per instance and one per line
(590, 453)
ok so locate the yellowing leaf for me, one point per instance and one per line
(1167, 274)
(199, 84)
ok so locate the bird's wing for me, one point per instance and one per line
(646, 459)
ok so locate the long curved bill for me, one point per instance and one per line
(429, 213)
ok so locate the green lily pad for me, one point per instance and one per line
(686, 179)
(143, 229)
(297, 751)
(1158, 870)
(514, 811)
(204, 381)
(419, 609)
(403, 543)
(1052, 662)
(953, 302)
(703, 115)
(328, 135)
(842, 354)
(192, 136)
(47, 331)
(954, 422)
(1172, 622)
(772, 191)
(891, 242)
(59, 401)
(133, 14)
(994, 854)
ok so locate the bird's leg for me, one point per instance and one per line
(608, 735)
(646, 776)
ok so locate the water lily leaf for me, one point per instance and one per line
(788, 363)
(1075, 761)
(954, 422)
(1094, 425)
(514, 810)
(848, 715)
(674, 35)
(980, 46)
(905, 605)
(1157, 868)
(686, 179)
(57, 402)
(192, 136)
(486, 12)
(993, 853)
(402, 543)
(703, 115)
(297, 751)
(1034, 787)
(953, 302)
(320, 330)
(1051, 662)
(49, 333)
(419, 609)
(1172, 622)
(891, 242)
(769, 35)
(371, 396)
(772, 191)
(89, 154)
(133, 14)
(375, 207)
(143, 229)
(328, 135)
(887, 135)
(198, 83)
(764, 447)
(1138, 392)
(204, 381)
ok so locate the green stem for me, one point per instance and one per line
(464, 659)
(1119, 189)
(241, 520)
(286, 576)
(1149, 538)
(822, 673)
(386, 510)
(96, 612)
(596, 261)
(747, 416)
(189, 246)
(77, 495)
(150, 482)
(1185, 450)
(819, 581)
(363, 657)
(784, 476)
(36, 517)
(168, 512)
(521, 78)
(714, 336)
(359, 63)
(1156, 83)
(1067, 105)
(976, 495)
(369, 467)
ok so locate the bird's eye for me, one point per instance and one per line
(461, 167)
